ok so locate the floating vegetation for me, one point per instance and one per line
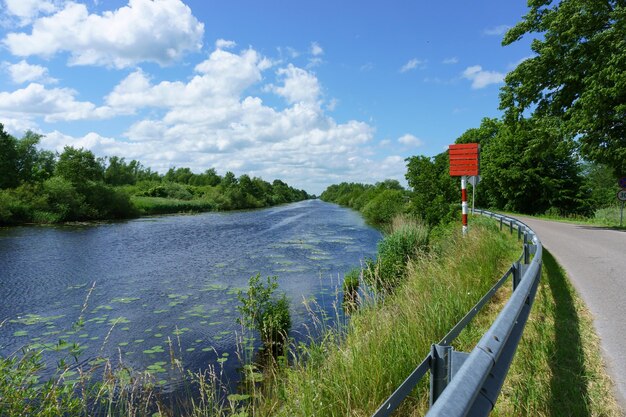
(103, 307)
(20, 333)
(161, 311)
(32, 319)
(178, 331)
(119, 320)
(154, 349)
(157, 367)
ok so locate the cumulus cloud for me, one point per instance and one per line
(298, 85)
(481, 78)
(143, 31)
(26, 10)
(410, 140)
(413, 64)
(53, 105)
(23, 72)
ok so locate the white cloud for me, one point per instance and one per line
(410, 140)
(143, 31)
(225, 44)
(23, 72)
(53, 105)
(481, 78)
(496, 30)
(26, 10)
(450, 61)
(299, 85)
(413, 64)
(316, 49)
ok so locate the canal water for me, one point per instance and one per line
(121, 290)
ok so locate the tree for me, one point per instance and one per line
(118, 172)
(530, 167)
(436, 196)
(578, 74)
(79, 165)
(8, 160)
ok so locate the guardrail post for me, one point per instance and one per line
(526, 254)
(439, 370)
(517, 274)
(445, 363)
(501, 222)
(519, 232)
(511, 226)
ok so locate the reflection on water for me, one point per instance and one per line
(171, 277)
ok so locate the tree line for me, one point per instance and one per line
(41, 186)
(560, 145)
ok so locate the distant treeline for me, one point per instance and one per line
(39, 186)
(532, 171)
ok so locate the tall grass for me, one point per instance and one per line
(353, 375)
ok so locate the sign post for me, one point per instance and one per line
(464, 163)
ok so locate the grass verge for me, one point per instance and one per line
(558, 369)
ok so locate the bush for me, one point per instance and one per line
(394, 251)
(351, 288)
(384, 207)
(262, 310)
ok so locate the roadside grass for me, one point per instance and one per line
(557, 369)
(354, 374)
(604, 217)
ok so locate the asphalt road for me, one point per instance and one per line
(595, 260)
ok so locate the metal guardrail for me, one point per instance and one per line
(468, 384)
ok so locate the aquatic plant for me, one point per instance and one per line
(263, 310)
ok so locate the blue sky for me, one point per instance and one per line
(314, 93)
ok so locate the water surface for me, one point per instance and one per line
(170, 276)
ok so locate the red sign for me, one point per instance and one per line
(464, 159)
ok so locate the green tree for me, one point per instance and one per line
(436, 196)
(79, 165)
(9, 177)
(578, 74)
(118, 172)
(530, 167)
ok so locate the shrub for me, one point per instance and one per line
(263, 310)
(384, 207)
(386, 273)
(351, 288)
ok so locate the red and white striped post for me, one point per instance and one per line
(464, 203)
(464, 161)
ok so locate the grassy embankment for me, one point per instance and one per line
(557, 370)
